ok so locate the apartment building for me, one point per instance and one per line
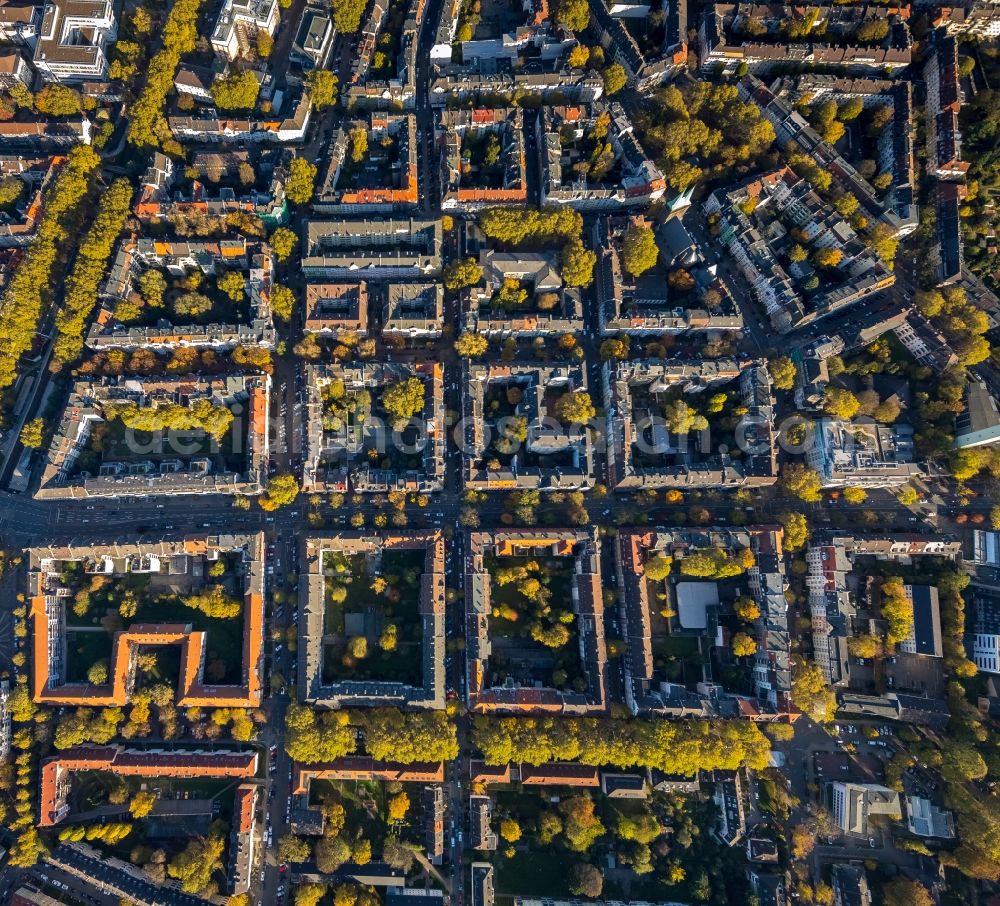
(482, 836)
(413, 311)
(504, 690)
(644, 71)
(925, 342)
(396, 88)
(159, 202)
(239, 22)
(853, 805)
(137, 255)
(897, 211)
(828, 36)
(555, 86)
(19, 22)
(646, 689)
(481, 892)
(643, 453)
(335, 308)
(369, 454)
(372, 249)
(58, 770)
(286, 124)
(73, 40)
(631, 179)
(41, 135)
(183, 559)
(645, 307)
(850, 886)
(314, 39)
(482, 159)
(550, 306)
(18, 225)
(862, 454)
(551, 456)
(6, 729)
(779, 203)
(381, 178)
(894, 146)
(975, 18)
(944, 101)
(316, 689)
(74, 469)
(14, 70)
(243, 838)
(362, 768)
(832, 601)
(983, 637)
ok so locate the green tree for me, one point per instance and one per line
(152, 287)
(796, 530)
(294, 849)
(300, 182)
(577, 264)
(657, 567)
(28, 289)
(462, 273)
(614, 79)
(142, 803)
(310, 894)
(585, 880)
(408, 737)
(802, 481)
(510, 830)
(97, 674)
(682, 419)
(347, 15)
(581, 826)
(32, 433)
(783, 372)
(578, 56)
(92, 257)
(232, 284)
(850, 110)
(811, 694)
(312, 738)
(281, 490)
(283, 241)
(846, 205)
(855, 495)
(147, 124)
(897, 610)
(11, 189)
(322, 87)
(236, 91)
(471, 344)
(331, 853)
(904, 892)
(359, 143)
(573, 14)
(575, 407)
(405, 398)
(196, 864)
(283, 302)
(639, 250)
(214, 602)
(58, 100)
(864, 646)
(191, 305)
